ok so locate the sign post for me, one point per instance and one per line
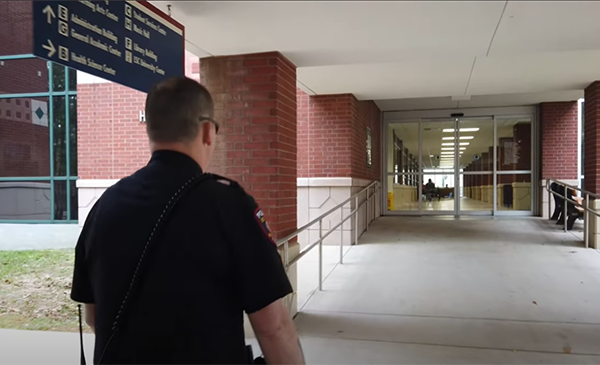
(128, 42)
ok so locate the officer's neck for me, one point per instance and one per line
(190, 150)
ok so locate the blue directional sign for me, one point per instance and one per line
(128, 42)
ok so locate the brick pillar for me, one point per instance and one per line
(592, 138)
(558, 124)
(559, 140)
(255, 100)
(591, 157)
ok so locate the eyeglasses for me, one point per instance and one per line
(214, 122)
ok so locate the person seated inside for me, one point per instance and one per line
(430, 190)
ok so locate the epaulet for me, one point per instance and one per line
(225, 181)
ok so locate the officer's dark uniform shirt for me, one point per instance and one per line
(214, 260)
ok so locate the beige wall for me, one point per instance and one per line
(316, 196)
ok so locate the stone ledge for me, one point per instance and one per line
(95, 183)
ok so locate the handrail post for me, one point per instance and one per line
(586, 222)
(342, 237)
(367, 209)
(565, 203)
(286, 255)
(549, 201)
(320, 254)
(356, 221)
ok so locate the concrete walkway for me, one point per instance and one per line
(464, 291)
(428, 291)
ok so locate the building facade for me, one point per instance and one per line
(66, 136)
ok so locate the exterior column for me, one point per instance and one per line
(255, 100)
(591, 156)
(558, 123)
(334, 131)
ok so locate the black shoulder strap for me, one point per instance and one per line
(189, 185)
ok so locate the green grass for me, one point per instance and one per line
(35, 288)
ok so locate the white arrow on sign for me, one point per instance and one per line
(50, 48)
(49, 13)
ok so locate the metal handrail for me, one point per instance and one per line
(586, 205)
(370, 215)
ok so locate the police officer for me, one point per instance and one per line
(175, 292)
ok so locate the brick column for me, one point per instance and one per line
(592, 138)
(558, 122)
(559, 140)
(333, 132)
(591, 157)
(255, 100)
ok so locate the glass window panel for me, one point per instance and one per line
(25, 200)
(403, 191)
(74, 203)
(72, 79)
(439, 148)
(476, 191)
(22, 76)
(514, 144)
(60, 136)
(60, 200)
(24, 137)
(514, 192)
(58, 77)
(438, 189)
(403, 147)
(476, 143)
(73, 135)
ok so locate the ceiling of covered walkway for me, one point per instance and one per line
(412, 55)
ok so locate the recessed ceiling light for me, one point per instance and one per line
(450, 130)
(461, 137)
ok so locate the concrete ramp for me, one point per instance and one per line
(469, 290)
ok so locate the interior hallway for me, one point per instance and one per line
(469, 290)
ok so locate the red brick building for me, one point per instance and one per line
(67, 136)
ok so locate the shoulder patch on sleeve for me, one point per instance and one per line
(262, 222)
(224, 182)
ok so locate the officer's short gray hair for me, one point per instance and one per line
(175, 109)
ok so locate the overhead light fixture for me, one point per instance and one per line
(450, 130)
(461, 137)
(452, 144)
(452, 148)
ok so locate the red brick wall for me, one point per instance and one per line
(558, 123)
(255, 98)
(16, 27)
(24, 148)
(332, 134)
(325, 135)
(592, 138)
(367, 114)
(111, 141)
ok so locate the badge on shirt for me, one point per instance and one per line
(260, 218)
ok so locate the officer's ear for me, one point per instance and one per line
(208, 133)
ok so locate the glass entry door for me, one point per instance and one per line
(475, 139)
(460, 166)
(438, 167)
